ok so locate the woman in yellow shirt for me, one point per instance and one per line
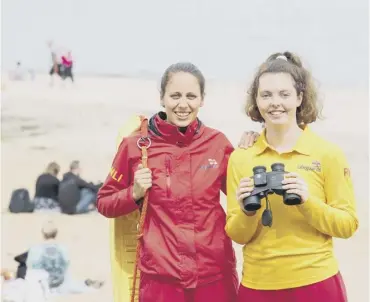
(287, 238)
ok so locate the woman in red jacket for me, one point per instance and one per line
(186, 255)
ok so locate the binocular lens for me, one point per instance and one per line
(278, 167)
(259, 169)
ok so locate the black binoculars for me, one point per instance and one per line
(268, 183)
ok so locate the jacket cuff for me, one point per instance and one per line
(138, 202)
(132, 203)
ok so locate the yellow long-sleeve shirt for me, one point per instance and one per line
(298, 249)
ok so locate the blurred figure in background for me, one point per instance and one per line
(57, 67)
(21, 73)
(18, 74)
(67, 62)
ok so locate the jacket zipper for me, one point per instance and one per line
(168, 176)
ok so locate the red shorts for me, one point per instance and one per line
(331, 289)
(153, 289)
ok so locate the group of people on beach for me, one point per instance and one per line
(61, 65)
(72, 195)
(48, 262)
(285, 219)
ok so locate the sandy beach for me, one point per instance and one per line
(63, 123)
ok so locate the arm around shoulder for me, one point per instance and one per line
(227, 152)
(115, 197)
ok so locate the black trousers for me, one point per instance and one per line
(68, 73)
(59, 70)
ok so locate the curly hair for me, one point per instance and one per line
(287, 62)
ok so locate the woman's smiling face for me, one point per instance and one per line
(182, 99)
(277, 99)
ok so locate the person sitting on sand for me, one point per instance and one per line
(53, 258)
(76, 196)
(47, 188)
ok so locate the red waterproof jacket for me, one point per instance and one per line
(184, 238)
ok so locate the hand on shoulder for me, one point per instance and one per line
(248, 139)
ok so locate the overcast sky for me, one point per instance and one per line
(226, 39)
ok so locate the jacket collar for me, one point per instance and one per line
(160, 127)
(303, 145)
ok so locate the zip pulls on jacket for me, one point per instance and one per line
(168, 175)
